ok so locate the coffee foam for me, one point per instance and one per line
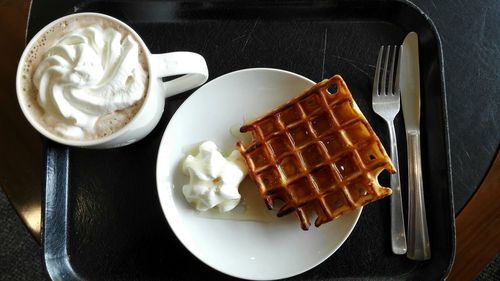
(107, 124)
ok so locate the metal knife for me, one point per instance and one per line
(418, 236)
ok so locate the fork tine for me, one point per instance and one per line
(391, 72)
(375, 91)
(397, 90)
(384, 73)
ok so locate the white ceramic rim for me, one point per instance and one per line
(33, 120)
(179, 236)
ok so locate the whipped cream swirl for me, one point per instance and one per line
(89, 73)
(213, 179)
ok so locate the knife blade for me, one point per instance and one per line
(418, 236)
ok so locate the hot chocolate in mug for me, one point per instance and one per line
(89, 80)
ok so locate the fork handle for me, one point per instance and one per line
(398, 236)
(418, 236)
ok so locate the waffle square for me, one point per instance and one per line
(318, 154)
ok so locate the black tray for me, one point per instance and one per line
(102, 219)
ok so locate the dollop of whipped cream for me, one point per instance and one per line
(90, 72)
(214, 179)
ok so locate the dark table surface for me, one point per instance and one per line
(470, 35)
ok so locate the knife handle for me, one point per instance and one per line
(418, 236)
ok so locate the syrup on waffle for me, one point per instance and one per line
(316, 153)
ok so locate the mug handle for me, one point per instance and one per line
(192, 65)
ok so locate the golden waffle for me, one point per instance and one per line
(316, 153)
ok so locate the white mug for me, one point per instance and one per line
(191, 65)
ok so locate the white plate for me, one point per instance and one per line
(255, 244)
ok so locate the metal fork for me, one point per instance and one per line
(386, 103)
